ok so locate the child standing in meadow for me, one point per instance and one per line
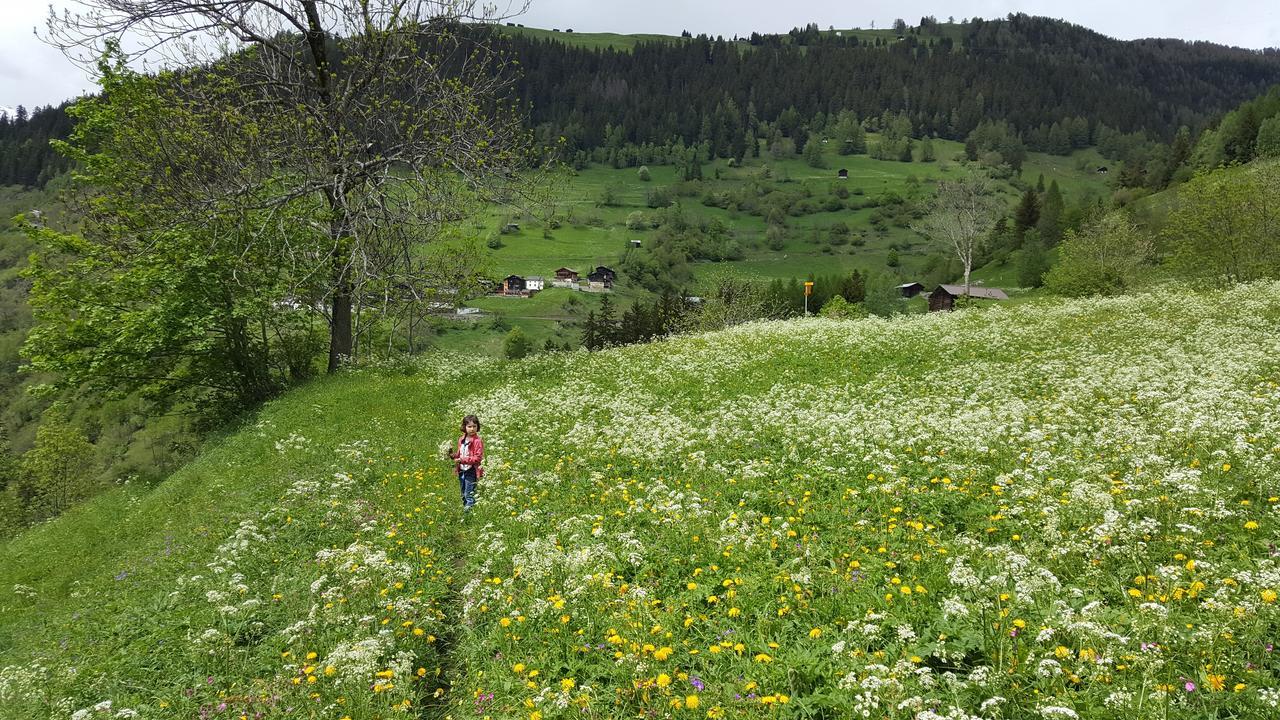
(467, 457)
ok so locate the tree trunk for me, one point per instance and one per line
(340, 324)
(252, 367)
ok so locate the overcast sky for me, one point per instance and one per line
(33, 74)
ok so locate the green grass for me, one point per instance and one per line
(589, 40)
(617, 41)
(1076, 173)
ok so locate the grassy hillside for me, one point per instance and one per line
(584, 231)
(590, 233)
(618, 41)
(587, 39)
(1041, 511)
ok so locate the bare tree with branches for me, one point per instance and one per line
(344, 133)
(961, 217)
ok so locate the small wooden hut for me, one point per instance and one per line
(944, 296)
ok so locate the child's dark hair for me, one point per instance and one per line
(468, 420)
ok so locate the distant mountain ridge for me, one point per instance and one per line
(1045, 78)
(1030, 72)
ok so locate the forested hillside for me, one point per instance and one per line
(26, 157)
(1057, 85)
(1031, 72)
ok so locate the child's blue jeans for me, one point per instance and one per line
(467, 483)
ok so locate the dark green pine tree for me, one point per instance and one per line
(591, 332)
(853, 287)
(1050, 223)
(1027, 214)
(606, 323)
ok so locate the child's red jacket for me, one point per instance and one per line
(470, 454)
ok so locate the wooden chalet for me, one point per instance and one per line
(601, 278)
(944, 296)
(842, 174)
(567, 274)
(513, 285)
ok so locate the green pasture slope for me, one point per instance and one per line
(1051, 510)
(590, 234)
(590, 40)
(619, 41)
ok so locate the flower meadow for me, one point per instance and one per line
(1042, 511)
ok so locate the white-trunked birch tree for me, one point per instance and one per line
(329, 139)
(961, 217)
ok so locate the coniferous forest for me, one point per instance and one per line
(1032, 72)
(1056, 85)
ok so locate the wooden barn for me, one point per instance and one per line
(944, 296)
(911, 289)
(842, 174)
